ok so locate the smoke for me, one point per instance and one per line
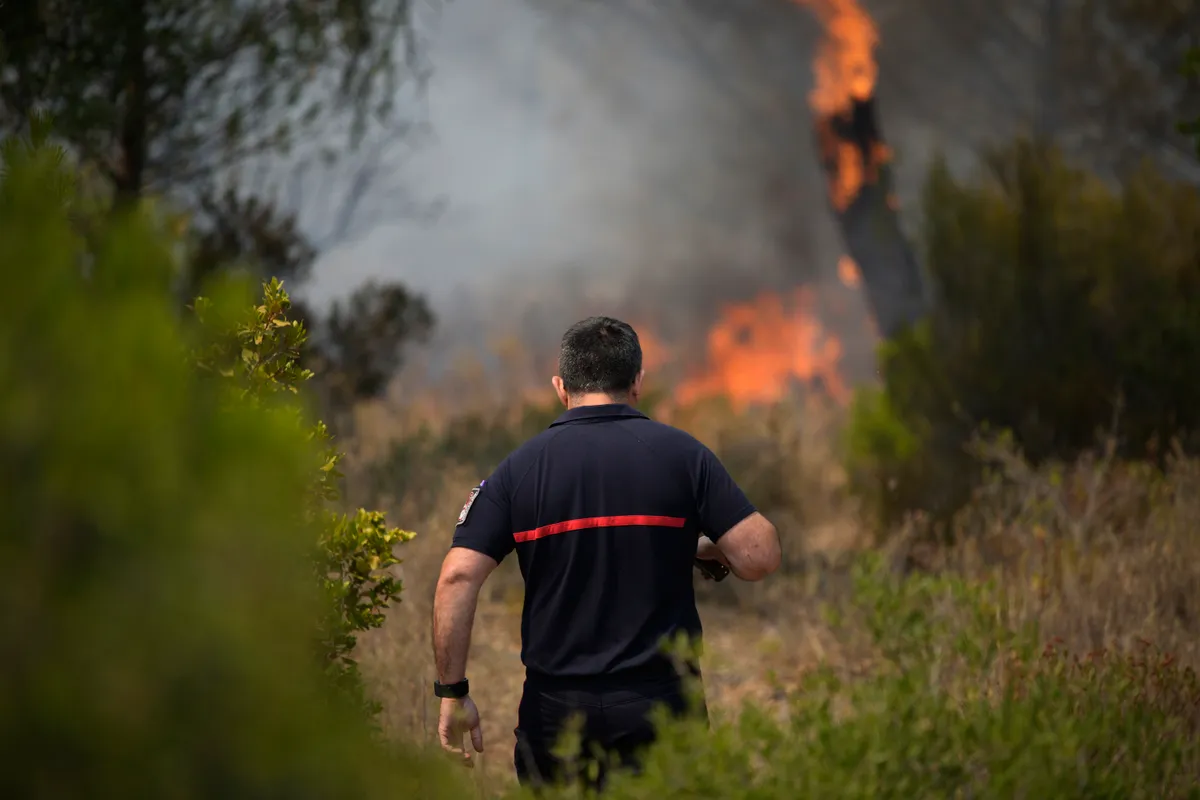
(602, 158)
(646, 160)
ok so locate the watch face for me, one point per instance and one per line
(712, 570)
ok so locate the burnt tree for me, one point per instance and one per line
(855, 160)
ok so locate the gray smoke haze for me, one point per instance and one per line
(647, 160)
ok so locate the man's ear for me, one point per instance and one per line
(635, 391)
(561, 391)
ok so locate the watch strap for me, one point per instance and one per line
(454, 691)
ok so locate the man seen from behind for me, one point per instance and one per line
(607, 511)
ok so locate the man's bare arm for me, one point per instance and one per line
(463, 573)
(751, 548)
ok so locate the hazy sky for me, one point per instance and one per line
(529, 169)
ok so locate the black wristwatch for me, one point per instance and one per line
(454, 691)
(715, 570)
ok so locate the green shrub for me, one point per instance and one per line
(1058, 302)
(155, 546)
(956, 703)
(259, 351)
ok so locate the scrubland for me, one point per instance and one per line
(1045, 650)
(185, 588)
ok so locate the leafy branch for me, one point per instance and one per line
(355, 552)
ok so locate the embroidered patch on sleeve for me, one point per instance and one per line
(466, 509)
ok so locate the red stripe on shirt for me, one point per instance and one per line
(599, 522)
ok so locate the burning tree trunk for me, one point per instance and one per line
(855, 160)
(891, 277)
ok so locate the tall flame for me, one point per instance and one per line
(756, 350)
(844, 67)
(845, 73)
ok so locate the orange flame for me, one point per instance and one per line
(758, 349)
(848, 272)
(844, 67)
(845, 71)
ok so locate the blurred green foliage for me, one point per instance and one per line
(185, 101)
(955, 703)
(1063, 308)
(259, 351)
(155, 537)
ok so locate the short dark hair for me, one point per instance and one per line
(599, 354)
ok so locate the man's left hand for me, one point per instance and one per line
(458, 717)
(707, 550)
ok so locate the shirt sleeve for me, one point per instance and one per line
(485, 521)
(720, 502)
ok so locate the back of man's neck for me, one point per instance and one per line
(596, 399)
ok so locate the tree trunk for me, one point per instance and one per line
(855, 161)
(130, 176)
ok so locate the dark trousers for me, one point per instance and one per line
(615, 726)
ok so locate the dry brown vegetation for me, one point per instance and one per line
(1102, 555)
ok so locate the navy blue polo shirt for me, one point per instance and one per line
(604, 509)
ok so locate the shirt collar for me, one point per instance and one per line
(606, 411)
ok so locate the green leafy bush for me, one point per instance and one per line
(260, 352)
(955, 703)
(1059, 301)
(155, 540)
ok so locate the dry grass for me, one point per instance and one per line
(1099, 554)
